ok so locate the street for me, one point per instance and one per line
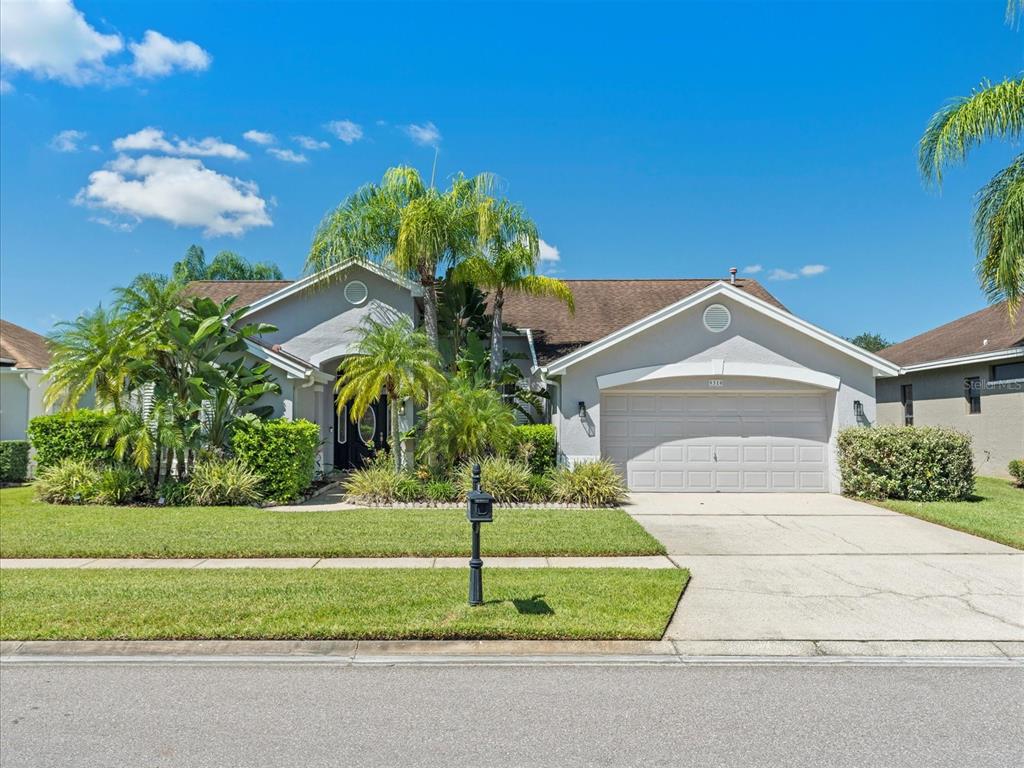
(224, 713)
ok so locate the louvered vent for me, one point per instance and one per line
(717, 318)
(355, 292)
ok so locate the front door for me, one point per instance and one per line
(355, 443)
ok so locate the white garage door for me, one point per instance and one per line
(717, 442)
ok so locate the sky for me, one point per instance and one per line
(672, 140)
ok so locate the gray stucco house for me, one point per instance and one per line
(687, 385)
(24, 360)
(969, 375)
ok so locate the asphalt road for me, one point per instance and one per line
(216, 714)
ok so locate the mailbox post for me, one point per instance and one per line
(480, 509)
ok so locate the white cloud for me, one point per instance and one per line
(5, 86)
(426, 135)
(181, 191)
(153, 140)
(345, 130)
(51, 39)
(259, 137)
(548, 253)
(157, 56)
(286, 155)
(753, 269)
(782, 274)
(67, 141)
(812, 269)
(308, 142)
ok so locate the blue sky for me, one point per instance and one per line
(646, 140)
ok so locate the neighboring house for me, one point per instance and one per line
(24, 359)
(969, 375)
(687, 385)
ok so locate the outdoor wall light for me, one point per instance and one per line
(583, 410)
(858, 409)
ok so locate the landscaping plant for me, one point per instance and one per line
(71, 481)
(1017, 471)
(223, 482)
(506, 479)
(464, 421)
(535, 444)
(589, 484)
(13, 461)
(72, 435)
(282, 453)
(380, 482)
(118, 485)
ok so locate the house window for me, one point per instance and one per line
(907, 398)
(341, 425)
(1007, 372)
(972, 392)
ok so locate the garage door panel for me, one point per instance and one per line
(674, 442)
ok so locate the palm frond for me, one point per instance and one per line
(541, 285)
(999, 235)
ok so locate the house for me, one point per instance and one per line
(687, 385)
(968, 375)
(24, 359)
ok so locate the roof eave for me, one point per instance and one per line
(950, 362)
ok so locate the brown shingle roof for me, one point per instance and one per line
(960, 338)
(602, 307)
(247, 291)
(25, 348)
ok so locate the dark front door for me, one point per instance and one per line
(354, 443)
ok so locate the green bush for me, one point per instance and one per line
(282, 452)
(71, 481)
(541, 488)
(13, 461)
(535, 444)
(441, 491)
(73, 435)
(378, 482)
(589, 484)
(465, 421)
(507, 480)
(1017, 471)
(173, 493)
(118, 485)
(915, 463)
(220, 482)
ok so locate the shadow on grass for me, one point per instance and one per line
(528, 606)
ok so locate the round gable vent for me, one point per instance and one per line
(356, 292)
(717, 318)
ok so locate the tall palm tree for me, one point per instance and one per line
(402, 221)
(508, 264)
(390, 358)
(989, 112)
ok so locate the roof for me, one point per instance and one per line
(603, 307)
(24, 347)
(965, 337)
(247, 291)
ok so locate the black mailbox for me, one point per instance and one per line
(481, 507)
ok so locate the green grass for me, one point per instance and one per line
(537, 603)
(30, 528)
(996, 512)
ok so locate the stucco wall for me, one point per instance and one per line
(751, 338)
(997, 432)
(14, 397)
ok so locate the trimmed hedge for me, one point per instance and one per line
(914, 463)
(1017, 471)
(538, 440)
(282, 452)
(13, 461)
(68, 436)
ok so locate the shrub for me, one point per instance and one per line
(173, 493)
(13, 461)
(505, 479)
(541, 488)
(73, 435)
(1017, 471)
(220, 482)
(915, 463)
(71, 481)
(118, 485)
(282, 452)
(441, 491)
(380, 483)
(535, 444)
(590, 484)
(466, 421)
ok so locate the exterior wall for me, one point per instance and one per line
(319, 323)
(997, 432)
(21, 399)
(750, 338)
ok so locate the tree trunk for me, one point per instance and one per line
(396, 432)
(430, 309)
(497, 340)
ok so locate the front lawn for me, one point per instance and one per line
(995, 512)
(536, 603)
(29, 528)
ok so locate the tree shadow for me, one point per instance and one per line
(533, 606)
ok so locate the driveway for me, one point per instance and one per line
(823, 567)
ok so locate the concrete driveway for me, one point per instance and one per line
(823, 567)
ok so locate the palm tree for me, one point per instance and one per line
(415, 228)
(990, 112)
(392, 359)
(508, 264)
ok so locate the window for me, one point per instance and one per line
(368, 426)
(907, 398)
(1007, 371)
(341, 425)
(972, 391)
